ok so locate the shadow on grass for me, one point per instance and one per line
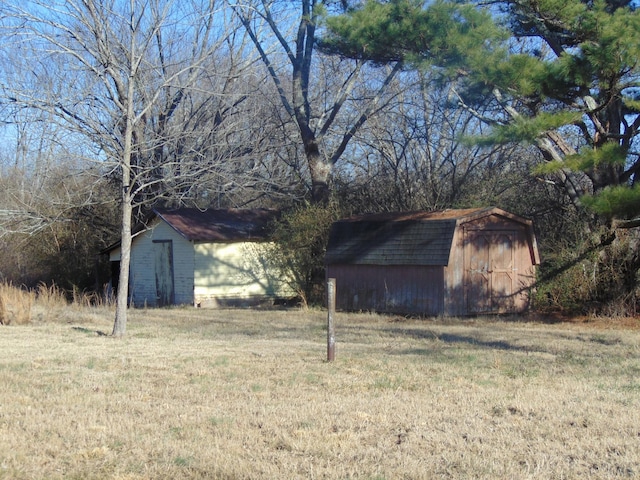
(492, 344)
(88, 331)
(461, 339)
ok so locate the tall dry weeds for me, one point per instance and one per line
(15, 305)
(50, 296)
(19, 306)
(87, 298)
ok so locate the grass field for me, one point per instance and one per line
(239, 394)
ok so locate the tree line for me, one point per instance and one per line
(111, 107)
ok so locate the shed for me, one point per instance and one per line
(203, 258)
(451, 262)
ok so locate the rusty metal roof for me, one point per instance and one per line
(226, 225)
(401, 238)
(449, 214)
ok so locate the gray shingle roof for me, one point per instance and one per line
(406, 238)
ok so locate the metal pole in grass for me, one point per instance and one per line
(331, 307)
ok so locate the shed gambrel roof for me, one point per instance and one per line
(221, 225)
(405, 238)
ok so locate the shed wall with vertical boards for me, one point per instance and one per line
(451, 262)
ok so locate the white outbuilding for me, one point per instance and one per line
(204, 258)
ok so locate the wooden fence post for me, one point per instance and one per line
(331, 307)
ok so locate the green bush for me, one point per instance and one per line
(301, 235)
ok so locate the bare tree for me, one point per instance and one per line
(54, 216)
(414, 156)
(231, 138)
(315, 91)
(117, 73)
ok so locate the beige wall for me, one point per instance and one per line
(227, 272)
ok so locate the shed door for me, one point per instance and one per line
(489, 271)
(163, 256)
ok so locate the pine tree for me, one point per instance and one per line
(560, 74)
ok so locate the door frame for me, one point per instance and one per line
(492, 301)
(161, 301)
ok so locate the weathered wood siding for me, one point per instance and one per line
(465, 262)
(234, 273)
(389, 288)
(491, 267)
(143, 285)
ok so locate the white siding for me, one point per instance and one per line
(234, 271)
(206, 274)
(143, 282)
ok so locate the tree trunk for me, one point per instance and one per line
(320, 171)
(120, 323)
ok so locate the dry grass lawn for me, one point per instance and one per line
(236, 394)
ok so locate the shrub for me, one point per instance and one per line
(301, 237)
(598, 276)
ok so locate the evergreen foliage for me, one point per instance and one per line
(561, 74)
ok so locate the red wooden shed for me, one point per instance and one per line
(451, 262)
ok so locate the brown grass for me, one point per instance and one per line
(248, 395)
